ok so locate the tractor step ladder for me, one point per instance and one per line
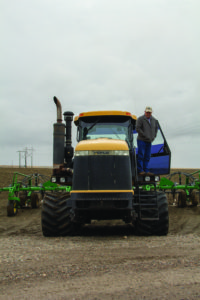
(147, 206)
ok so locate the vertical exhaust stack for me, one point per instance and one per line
(69, 150)
(58, 138)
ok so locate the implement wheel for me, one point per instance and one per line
(154, 227)
(182, 198)
(56, 215)
(194, 198)
(35, 200)
(12, 208)
(23, 198)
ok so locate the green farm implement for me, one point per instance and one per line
(182, 194)
(28, 190)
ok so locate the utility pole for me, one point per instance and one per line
(20, 157)
(29, 154)
(26, 155)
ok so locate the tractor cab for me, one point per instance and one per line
(115, 125)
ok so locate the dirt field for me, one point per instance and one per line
(106, 262)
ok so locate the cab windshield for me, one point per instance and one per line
(102, 129)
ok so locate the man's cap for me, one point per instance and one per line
(148, 109)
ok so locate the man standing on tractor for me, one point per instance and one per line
(147, 127)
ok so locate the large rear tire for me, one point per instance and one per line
(56, 215)
(155, 227)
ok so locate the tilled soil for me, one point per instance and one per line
(106, 262)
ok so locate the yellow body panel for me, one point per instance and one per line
(104, 113)
(102, 144)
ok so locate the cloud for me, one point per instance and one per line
(98, 55)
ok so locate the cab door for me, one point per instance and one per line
(160, 161)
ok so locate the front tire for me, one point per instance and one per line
(155, 227)
(56, 215)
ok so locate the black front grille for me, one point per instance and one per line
(102, 173)
(102, 204)
(83, 204)
(121, 204)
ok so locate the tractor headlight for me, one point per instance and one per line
(53, 179)
(62, 179)
(81, 153)
(147, 178)
(157, 178)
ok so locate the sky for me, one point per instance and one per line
(98, 55)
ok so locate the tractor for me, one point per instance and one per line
(100, 175)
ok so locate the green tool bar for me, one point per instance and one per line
(37, 188)
(195, 172)
(177, 187)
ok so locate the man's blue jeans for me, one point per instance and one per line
(144, 155)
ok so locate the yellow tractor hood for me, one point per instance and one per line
(102, 144)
